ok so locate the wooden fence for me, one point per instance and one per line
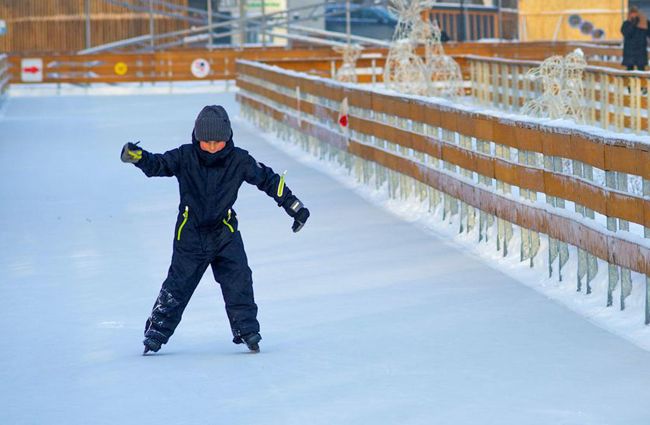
(613, 99)
(55, 26)
(175, 65)
(478, 23)
(589, 195)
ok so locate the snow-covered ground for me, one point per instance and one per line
(366, 318)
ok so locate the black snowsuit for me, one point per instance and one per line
(206, 231)
(635, 45)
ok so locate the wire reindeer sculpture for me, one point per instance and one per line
(348, 71)
(562, 88)
(406, 71)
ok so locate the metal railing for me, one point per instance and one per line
(581, 196)
(204, 30)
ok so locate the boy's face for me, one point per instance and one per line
(212, 146)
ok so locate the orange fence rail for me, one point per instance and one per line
(589, 195)
(175, 65)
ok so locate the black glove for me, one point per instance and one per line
(300, 219)
(131, 153)
(297, 211)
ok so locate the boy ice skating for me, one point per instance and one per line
(210, 172)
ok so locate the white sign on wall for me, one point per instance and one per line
(3, 27)
(200, 68)
(31, 70)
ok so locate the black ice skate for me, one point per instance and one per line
(150, 345)
(251, 340)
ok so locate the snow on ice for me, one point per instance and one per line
(367, 318)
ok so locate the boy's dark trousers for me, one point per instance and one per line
(195, 249)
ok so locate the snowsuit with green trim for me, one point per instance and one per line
(206, 232)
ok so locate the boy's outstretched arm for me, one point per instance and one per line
(273, 185)
(152, 164)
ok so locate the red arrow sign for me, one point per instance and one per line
(31, 70)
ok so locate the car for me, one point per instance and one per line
(367, 21)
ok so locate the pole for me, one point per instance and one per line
(209, 9)
(88, 29)
(461, 26)
(242, 23)
(288, 45)
(348, 28)
(263, 23)
(151, 27)
(499, 19)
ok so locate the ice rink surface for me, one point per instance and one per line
(365, 318)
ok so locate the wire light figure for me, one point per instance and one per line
(436, 74)
(574, 89)
(348, 71)
(562, 88)
(445, 77)
(405, 70)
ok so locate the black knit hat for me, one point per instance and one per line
(212, 124)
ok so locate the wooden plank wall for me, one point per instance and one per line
(59, 26)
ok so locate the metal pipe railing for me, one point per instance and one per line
(262, 24)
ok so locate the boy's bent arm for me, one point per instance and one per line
(266, 180)
(273, 185)
(159, 165)
(269, 182)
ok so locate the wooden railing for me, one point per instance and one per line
(614, 99)
(175, 65)
(479, 22)
(588, 194)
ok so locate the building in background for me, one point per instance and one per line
(643, 5)
(46, 26)
(583, 20)
(366, 20)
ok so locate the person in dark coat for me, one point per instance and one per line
(210, 172)
(635, 42)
